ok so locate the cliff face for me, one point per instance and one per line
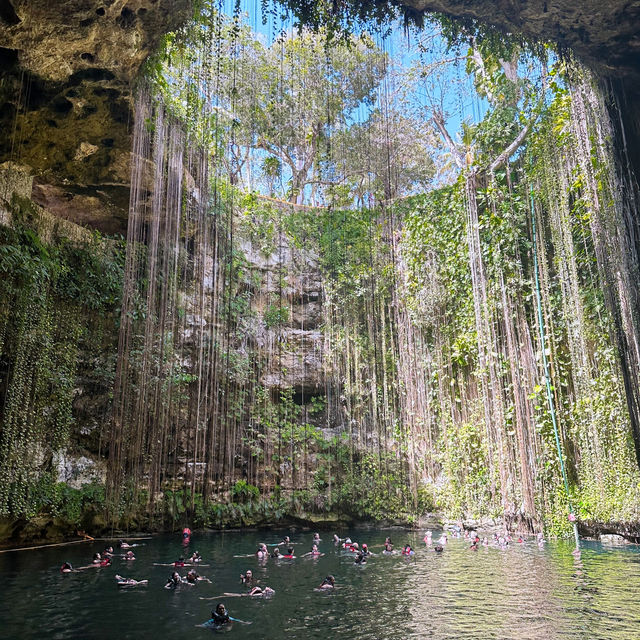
(603, 35)
(66, 71)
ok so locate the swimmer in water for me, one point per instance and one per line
(174, 581)
(285, 541)
(336, 539)
(179, 562)
(129, 556)
(408, 551)
(220, 616)
(124, 545)
(485, 541)
(246, 577)
(388, 548)
(314, 552)
(443, 539)
(254, 592)
(438, 548)
(328, 583)
(97, 558)
(276, 553)
(193, 577)
(108, 551)
(195, 557)
(66, 567)
(130, 582)
(262, 552)
(316, 538)
(361, 558)
(289, 555)
(427, 538)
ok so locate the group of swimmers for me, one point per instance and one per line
(101, 560)
(220, 616)
(501, 540)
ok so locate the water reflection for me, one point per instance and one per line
(522, 592)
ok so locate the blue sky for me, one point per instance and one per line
(400, 45)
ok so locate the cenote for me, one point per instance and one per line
(521, 592)
(299, 264)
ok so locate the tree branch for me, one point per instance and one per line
(438, 120)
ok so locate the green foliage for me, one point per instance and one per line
(56, 292)
(276, 315)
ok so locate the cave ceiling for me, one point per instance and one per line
(67, 71)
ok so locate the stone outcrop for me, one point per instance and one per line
(66, 75)
(604, 35)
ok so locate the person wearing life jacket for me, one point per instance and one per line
(192, 576)
(328, 583)
(129, 582)
(361, 558)
(220, 615)
(289, 555)
(179, 562)
(195, 557)
(66, 567)
(129, 555)
(186, 535)
(388, 548)
(105, 562)
(408, 551)
(174, 581)
(265, 592)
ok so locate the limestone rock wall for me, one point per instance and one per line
(66, 75)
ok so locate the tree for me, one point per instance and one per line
(303, 91)
(386, 157)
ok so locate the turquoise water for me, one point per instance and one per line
(523, 592)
